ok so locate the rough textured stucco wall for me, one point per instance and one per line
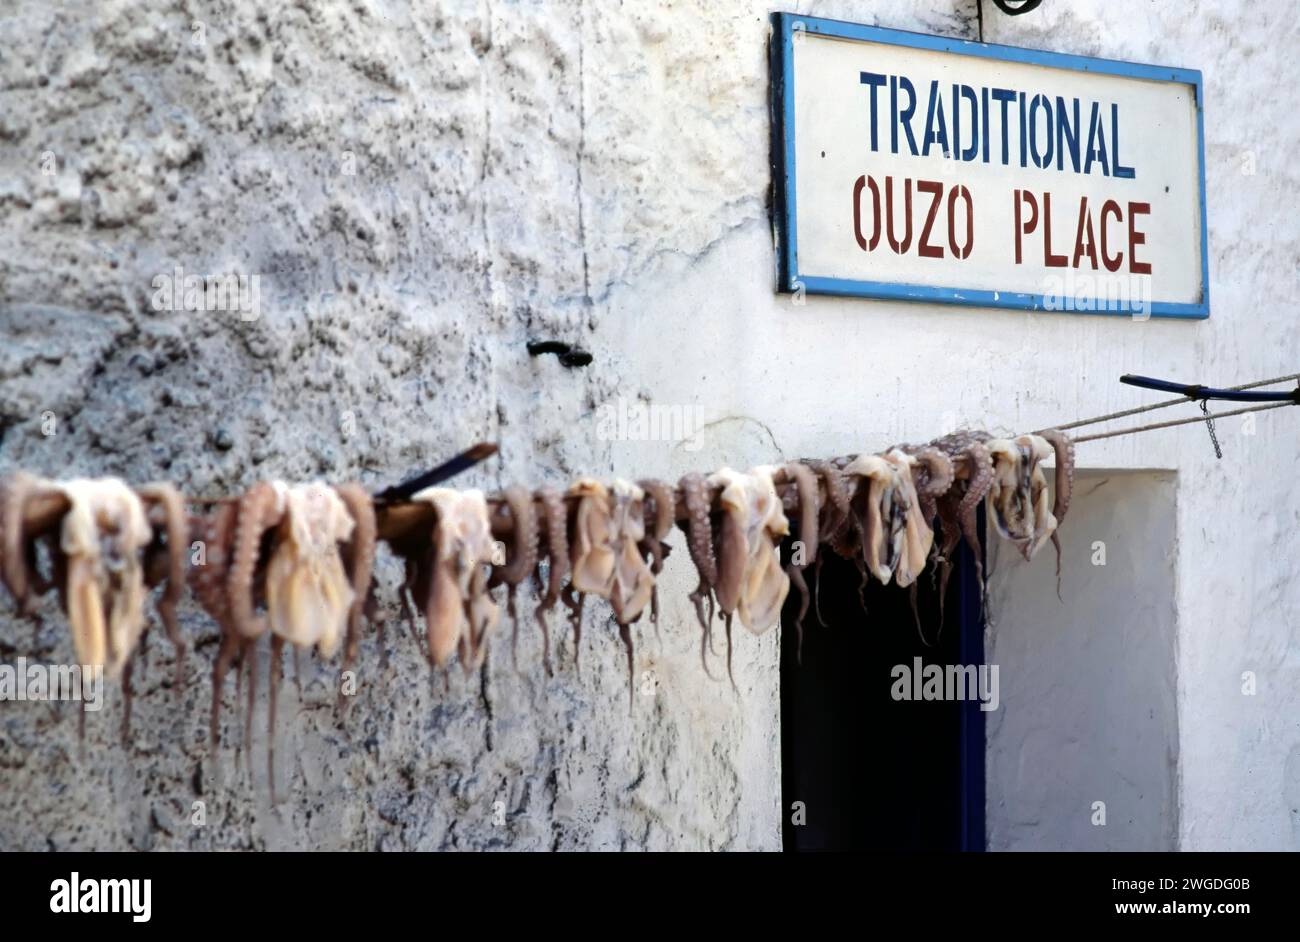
(593, 172)
(1088, 690)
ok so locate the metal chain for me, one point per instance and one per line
(1209, 424)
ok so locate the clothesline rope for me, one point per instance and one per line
(1188, 421)
(1164, 404)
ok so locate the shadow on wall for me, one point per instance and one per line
(1087, 731)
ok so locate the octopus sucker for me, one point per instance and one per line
(699, 544)
(555, 520)
(163, 501)
(932, 476)
(359, 562)
(523, 556)
(809, 512)
(1063, 446)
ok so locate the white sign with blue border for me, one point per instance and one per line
(914, 167)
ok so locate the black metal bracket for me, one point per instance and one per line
(569, 356)
(1025, 6)
(462, 462)
(1202, 393)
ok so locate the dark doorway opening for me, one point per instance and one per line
(872, 772)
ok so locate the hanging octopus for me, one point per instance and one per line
(591, 560)
(607, 528)
(837, 528)
(1063, 446)
(215, 534)
(960, 504)
(359, 561)
(1017, 499)
(697, 500)
(522, 558)
(806, 501)
(895, 537)
(632, 586)
(167, 560)
(932, 476)
(555, 523)
(451, 573)
(751, 582)
(663, 502)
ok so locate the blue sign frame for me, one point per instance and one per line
(790, 279)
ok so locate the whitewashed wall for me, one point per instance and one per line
(1083, 753)
(597, 173)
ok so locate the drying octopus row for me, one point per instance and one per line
(295, 562)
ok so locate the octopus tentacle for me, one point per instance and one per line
(249, 655)
(933, 476)
(276, 671)
(699, 543)
(523, 557)
(127, 695)
(1063, 446)
(841, 528)
(981, 479)
(575, 602)
(176, 524)
(259, 511)
(15, 555)
(625, 632)
(807, 491)
(209, 580)
(948, 521)
(817, 591)
(359, 558)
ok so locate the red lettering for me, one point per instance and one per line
(964, 251)
(1050, 260)
(923, 246)
(1108, 208)
(1082, 248)
(899, 247)
(1029, 226)
(1136, 238)
(863, 243)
